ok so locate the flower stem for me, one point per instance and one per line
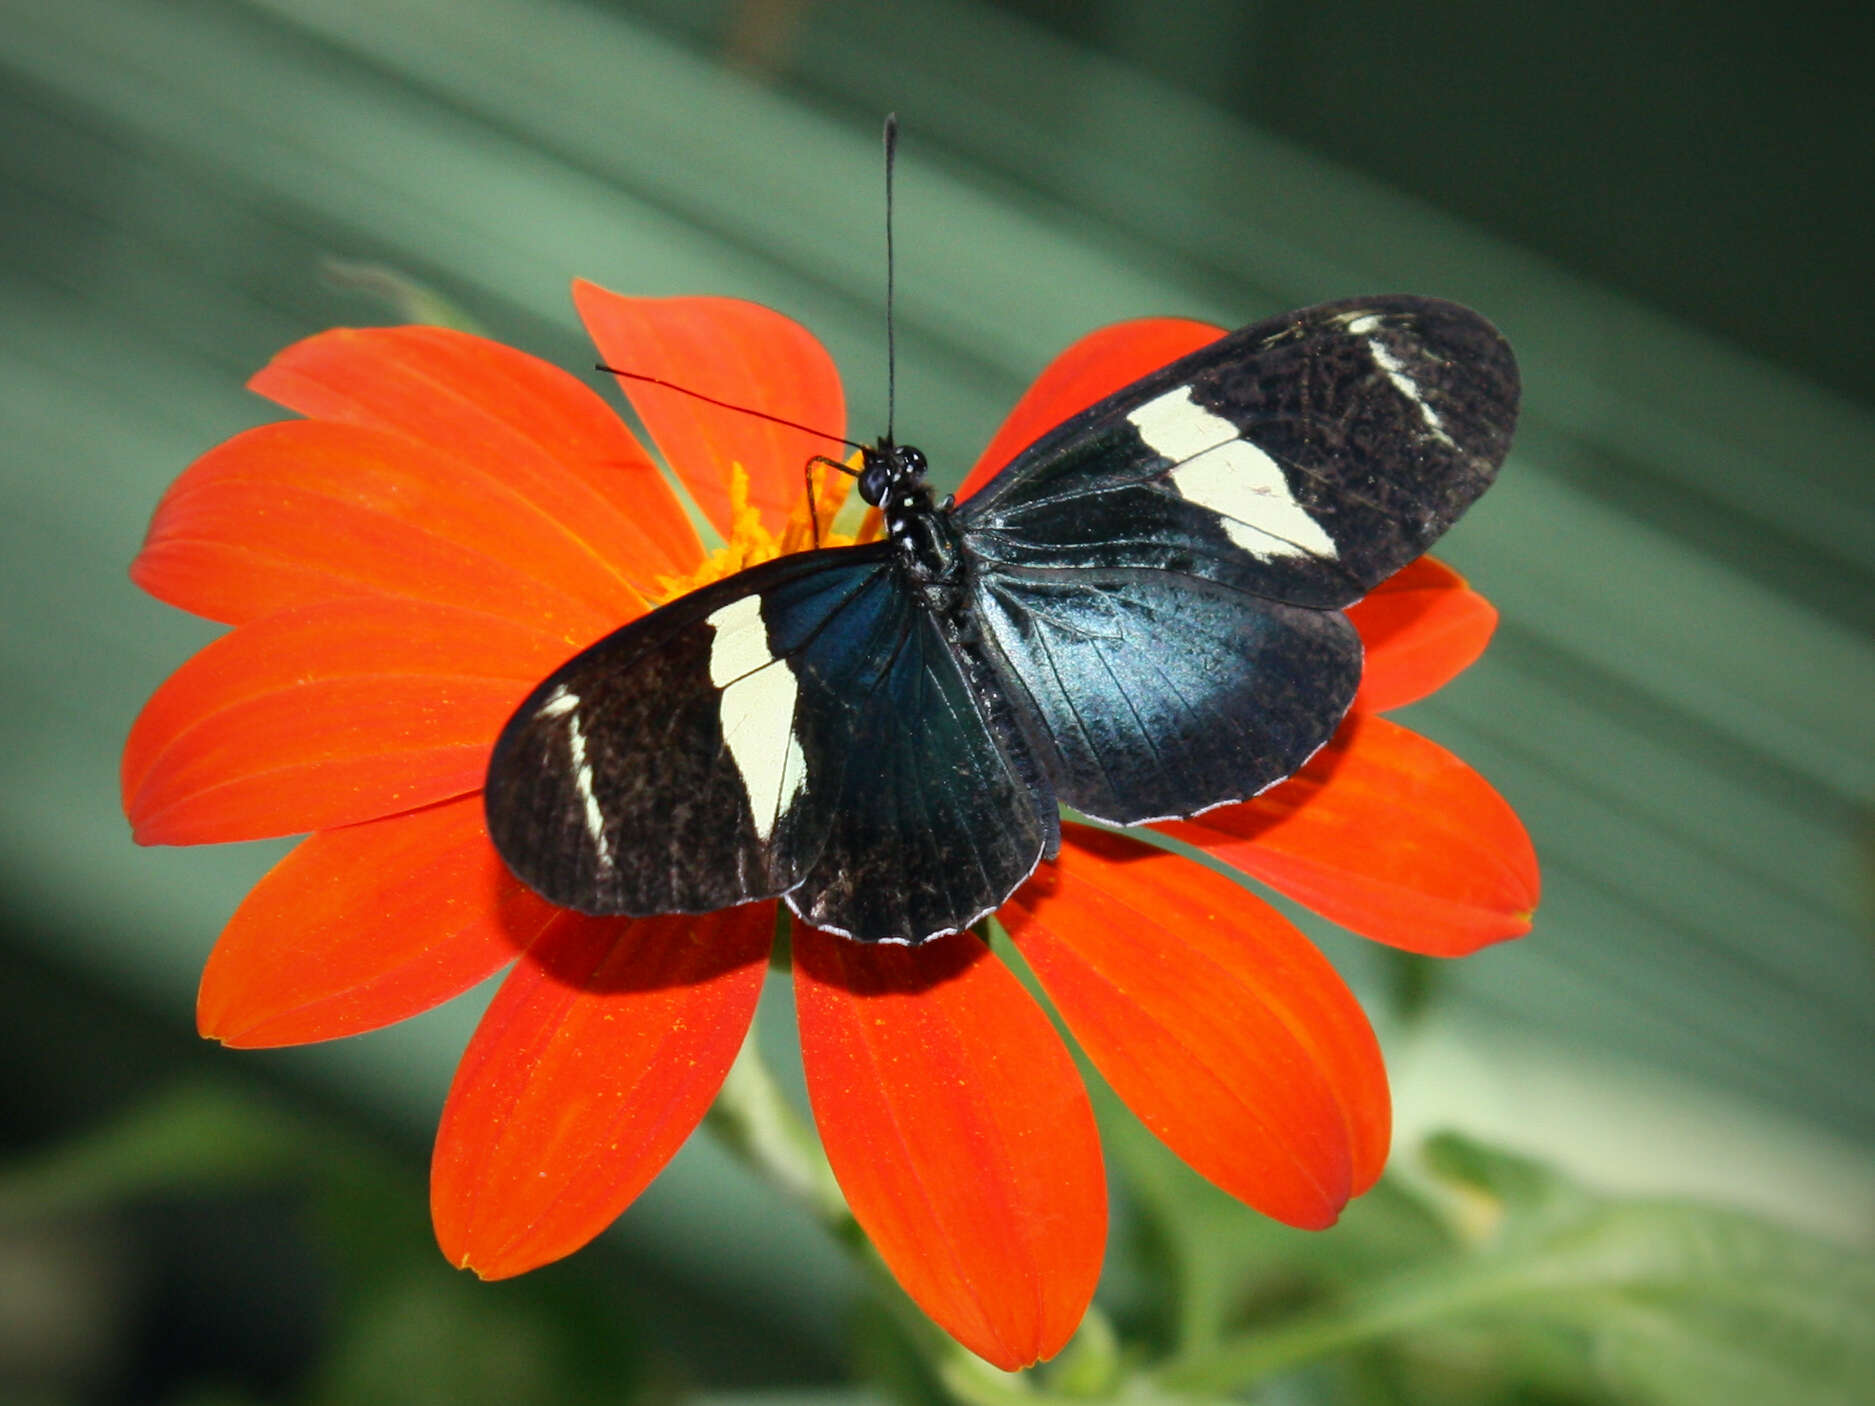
(1237, 1362)
(755, 1121)
(1247, 1358)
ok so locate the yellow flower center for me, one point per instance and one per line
(751, 543)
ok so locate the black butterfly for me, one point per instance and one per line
(1140, 616)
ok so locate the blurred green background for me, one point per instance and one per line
(1662, 206)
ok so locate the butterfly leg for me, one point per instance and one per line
(813, 506)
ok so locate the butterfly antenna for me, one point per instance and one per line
(891, 341)
(726, 404)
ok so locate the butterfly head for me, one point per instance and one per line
(888, 470)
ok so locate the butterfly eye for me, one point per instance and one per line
(875, 478)
(912, 462)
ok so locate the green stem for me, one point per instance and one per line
(1419, 1300)
(758, 1125)
(755, 1121)
(1239, 1361)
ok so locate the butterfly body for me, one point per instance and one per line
(1140, 616)
(930, 549)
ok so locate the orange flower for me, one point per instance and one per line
(451, 520)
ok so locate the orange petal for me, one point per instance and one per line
(1214, 1019)
(599, 1054)
(960, 1133)
(742, 353)
(1094, 367)
(324, 716)
(309, 510)
(1422, 627)
(361, 927)
(505, 415)
(1388, 834)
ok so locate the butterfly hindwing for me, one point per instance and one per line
(1303, 459)
(937, 812)
(798, 729)
(1161, 695)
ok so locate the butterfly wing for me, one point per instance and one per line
(802, 728)
(938, 812)
(1162, 696)
(1161, 575)
(1302, 459)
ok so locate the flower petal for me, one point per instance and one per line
(1214, 1019)
(960, 1133)
(361, 927)
(1422, 627)
(1095, 366)
(1389, 834)
(742, 353)
(324, 716)
(599, 1054)
(308, 510)
(505, 415)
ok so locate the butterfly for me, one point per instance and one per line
(1141, 617)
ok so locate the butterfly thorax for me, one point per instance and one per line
(892, 480)
(930, 555)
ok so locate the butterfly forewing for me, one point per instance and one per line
(1302, 459)
(659, 770)
(801, 724)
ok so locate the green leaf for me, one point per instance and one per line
(430, 1335)
(1090, 1364)
(1654, 1301)
(407, 1328)
(188, 1138)
(1212, 1261)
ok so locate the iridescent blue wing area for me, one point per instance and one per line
(1158, 695)
(801, 729)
